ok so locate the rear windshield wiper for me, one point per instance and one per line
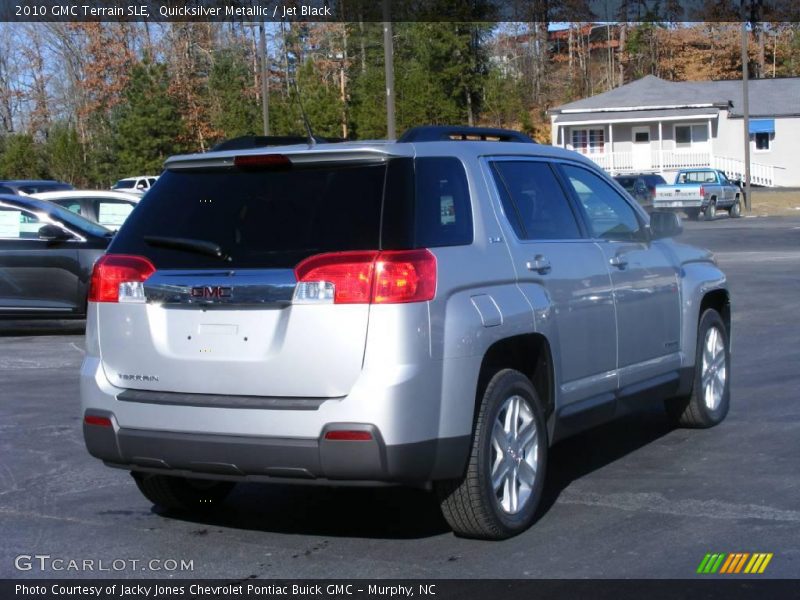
(188, 245)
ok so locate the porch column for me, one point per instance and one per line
(611, 148)
(710, 147)
(660, 149)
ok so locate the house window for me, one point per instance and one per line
(762, 141)
(588, 141)
(687, 136)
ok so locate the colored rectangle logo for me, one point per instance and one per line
(732, 563)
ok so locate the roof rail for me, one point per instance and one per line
(441, 133)
(247, 142)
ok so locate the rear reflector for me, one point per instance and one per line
(364, 277)
(349, 436)
(262, 161)
(119, 278)
(95, 420)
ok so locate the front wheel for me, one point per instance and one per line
(500, 491)
(180, 493)
(709, 401)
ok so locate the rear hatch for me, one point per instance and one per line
(218, 314)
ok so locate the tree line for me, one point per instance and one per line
(90, 103)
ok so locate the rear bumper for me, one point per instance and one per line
(679, 204)
(236, 457)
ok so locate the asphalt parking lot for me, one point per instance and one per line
(633, 499)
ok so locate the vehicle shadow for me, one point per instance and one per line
(406, 513)
(387, 512)
(20, 327)
(577, 456)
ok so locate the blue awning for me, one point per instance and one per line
(762, 126)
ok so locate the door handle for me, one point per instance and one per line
(618, 261)
(539, 264)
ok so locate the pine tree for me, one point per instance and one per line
(148, 124)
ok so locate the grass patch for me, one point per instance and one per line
(775, 203)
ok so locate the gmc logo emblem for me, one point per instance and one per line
(211, 292)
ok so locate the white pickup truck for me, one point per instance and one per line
(698, 191)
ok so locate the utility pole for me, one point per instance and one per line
(388, 53)
(262, 50)
(746, 114)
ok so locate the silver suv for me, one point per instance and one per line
(435, 311)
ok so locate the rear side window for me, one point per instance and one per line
(260, 219)
(534, 202)
(112, 213)
(444, 214)
(427, 204)
(70, 205)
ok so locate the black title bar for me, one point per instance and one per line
(399, 10)
(712, 588)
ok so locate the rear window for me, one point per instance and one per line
(653, 180)
(269, 219)
(275, 219)
(626, 182)
(124, 184)
(37, 188)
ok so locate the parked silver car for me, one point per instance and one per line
(426, 312)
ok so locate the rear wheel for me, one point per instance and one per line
(179, 493)
(693, 214)
(709, 401)
(498, 496)
(711, 210)
(735, 211)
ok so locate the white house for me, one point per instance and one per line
(653, 125)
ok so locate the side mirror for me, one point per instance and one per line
(140, 186)
(665, 224)
(54, 233)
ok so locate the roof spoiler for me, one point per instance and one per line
(438, 133)
(247, 142)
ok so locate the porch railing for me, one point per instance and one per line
(671, 160)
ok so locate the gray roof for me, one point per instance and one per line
(627, 115)
(768, 97)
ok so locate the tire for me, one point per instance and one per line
(711, 210)
(735, 211)
(707, 406)
(475, 507)
(693, 214)
(182, 494)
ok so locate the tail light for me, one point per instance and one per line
(97, 421)
(367, 277)
(702, 191)
(119, 278)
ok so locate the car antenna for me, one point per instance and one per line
(310, 135)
